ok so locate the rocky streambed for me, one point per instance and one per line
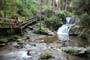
(31, 51)
(37, 47)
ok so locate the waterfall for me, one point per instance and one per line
(63, 31)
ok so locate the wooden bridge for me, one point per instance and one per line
(31, 21)
(24, 24)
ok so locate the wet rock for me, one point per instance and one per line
(88, 50)
(73, 34)
(26, 37)
(74, 50)
(42, 40)
(54, 45)
(28, 52)
(45, 32)
(18, 54)
(30, 27)
(20, 42)
(1, 56)
(31, 52)
(3, 42)
(2, 45)
(49, 32)
(14, 44)
(15, 39)
(33, 44)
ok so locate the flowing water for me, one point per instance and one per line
(40, 43)
(11, 53)
(74, 41)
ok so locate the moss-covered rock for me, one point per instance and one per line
(74, 50)
(45, 56)
(3, 42)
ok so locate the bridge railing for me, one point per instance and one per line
(29, 21)
(11, 22)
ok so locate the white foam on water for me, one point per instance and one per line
(63, 31)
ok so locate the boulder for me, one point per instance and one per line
(49, 32)
(74, 50)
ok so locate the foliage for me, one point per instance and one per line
(7, 8)
(81, 9)
(27, 8)
(40, 27)
(24, 8)
(45, 56)
(55, 20)
(49, 12)
(85, 20)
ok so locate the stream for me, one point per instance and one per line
(37, 45)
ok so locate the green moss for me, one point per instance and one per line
(13, 39)
(73, 51)
(45, 56)
(3, 42)
(2, 45)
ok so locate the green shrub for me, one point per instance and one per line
(85, 26)
(53, 22)
(40, 27)
(49, 13)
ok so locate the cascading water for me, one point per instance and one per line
(63, 31)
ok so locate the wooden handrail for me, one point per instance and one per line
(5, 19)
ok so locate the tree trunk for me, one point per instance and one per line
(66, 4)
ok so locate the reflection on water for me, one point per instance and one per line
(70, 57)
(63, 37)
(76, 41)
(73, 40)
(49, 39)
